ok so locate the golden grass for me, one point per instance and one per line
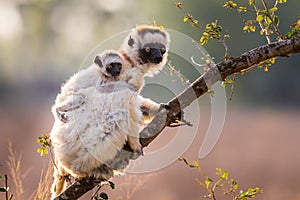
(14, 166)
(45, 183)
(16, 178)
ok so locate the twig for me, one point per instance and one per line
(6, 186)
(261, 24)
(272, 21)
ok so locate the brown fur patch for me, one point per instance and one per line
(143, 29)
(127, 58)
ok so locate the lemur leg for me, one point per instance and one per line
(59, 184)
(102, 173)
(72, 102)
(149, 108)
(135, 126)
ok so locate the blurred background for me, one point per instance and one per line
(43, 42)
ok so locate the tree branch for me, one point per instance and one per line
(199, 87)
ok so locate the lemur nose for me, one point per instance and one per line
(157, 59)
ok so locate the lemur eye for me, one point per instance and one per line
(163, 50)
(109, 67)
(147, 49)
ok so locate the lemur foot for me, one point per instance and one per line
(176, 119)
(102, 173)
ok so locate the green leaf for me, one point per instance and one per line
(252, 28)
(234, 184)
(224, 84)
(229, 81)
(229, 4)
(251, 2)
(203, 40)
(211, 92)
(1, 177)
(281, 1)
(218, 171)
(43, 151)
(208, 181)
(192, 166)
(104, 195)
(242, 9)
(259, 18)
(112, 185)
(224, 175)
(2, 189)
(276, 20)
(245, 28)
(185, 18)
(268, 19)
(274, 9)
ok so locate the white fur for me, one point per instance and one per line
(163, 37)
(97, 124)
(101, 113)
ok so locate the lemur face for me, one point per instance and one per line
(152, 53)
(110, 63)
(114, 69)
(148, 45)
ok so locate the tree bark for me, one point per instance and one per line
(199, 87)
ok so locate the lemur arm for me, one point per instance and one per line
(69, 102)
(149, 108)
(111, 87)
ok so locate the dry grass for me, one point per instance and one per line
(44, 187)
(16, 177)
(14, 166)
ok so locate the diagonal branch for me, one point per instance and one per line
(199, 87)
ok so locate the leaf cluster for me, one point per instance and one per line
(265, 17)
(295, 32)
(46, 143)
(222, 182)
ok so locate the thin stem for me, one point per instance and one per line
(178, 74)
(6, 186)
(225, 47)
(261, 24)
(192, 20)
(232, 86)
(96, 192)
(190, 17)
(270, 17)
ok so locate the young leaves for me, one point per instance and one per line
(46, 143)
(222, 182)
(212, 31)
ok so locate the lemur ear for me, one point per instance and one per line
(130, 41)
(97, 61)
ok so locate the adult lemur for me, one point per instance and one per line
(98, 109)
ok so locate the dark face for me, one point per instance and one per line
(152, 53)
(114, 69)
